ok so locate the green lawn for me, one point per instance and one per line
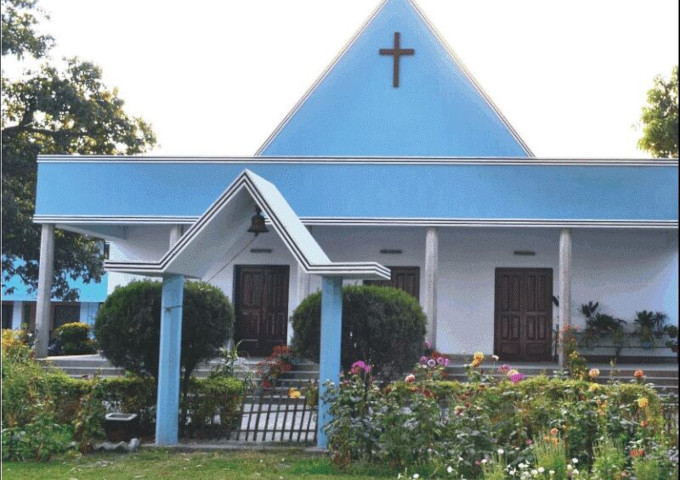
(167, 464)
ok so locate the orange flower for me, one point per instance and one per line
(594, 373)
(643, 423)
(639, 374)
(555, 441)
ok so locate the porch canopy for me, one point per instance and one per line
(222, 228)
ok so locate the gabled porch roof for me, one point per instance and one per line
(226, 221)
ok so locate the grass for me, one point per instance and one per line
(168, 464)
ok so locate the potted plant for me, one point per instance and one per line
(649, 325)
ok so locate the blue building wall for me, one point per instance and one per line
(366, 190)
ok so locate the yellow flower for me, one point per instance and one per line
(512, 372)
(593, 387)
(594, 373)
(643, 402)
(293, 393)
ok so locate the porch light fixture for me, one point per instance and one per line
(257, 225)
(390, 251)
(524, 253)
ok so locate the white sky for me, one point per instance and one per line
(216, 77)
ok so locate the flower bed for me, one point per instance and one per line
(505, 427)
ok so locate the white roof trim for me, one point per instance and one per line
(301, 244)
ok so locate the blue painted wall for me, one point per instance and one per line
(436, 111)
(368, 190)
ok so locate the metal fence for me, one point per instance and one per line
(286, 412)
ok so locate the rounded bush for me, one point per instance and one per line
(380, 325)
(74, 339)
(127, 327)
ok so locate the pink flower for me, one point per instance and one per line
(440, 360)
(428, 345)
(516, 377)
(360, 366)
(431, 362)
(505, 368)
(447, 362)
(410, 378)
(423, 359)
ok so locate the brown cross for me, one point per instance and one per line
(397, 52)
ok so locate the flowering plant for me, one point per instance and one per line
(271, 368)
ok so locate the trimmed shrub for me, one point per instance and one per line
(380, 325)
(211, 399)
(74, 339)
(127, 327)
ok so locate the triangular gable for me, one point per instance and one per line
(227, 219)
(354, 109)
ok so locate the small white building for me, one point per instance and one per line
(397, 156)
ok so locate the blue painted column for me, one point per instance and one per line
(331, 335)
(167, 407)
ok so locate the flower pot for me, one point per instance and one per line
(121, 427)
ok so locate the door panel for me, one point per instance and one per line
(403, 278)
(261, 295)
(523, 314)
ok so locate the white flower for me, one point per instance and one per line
(484, 460)
(534, 472)
(551, 472)
(569, 467)
(574, 461)
(415, 476)
(500, 451)
(523, 465)
(575, 471)
(541, 469)
(449, 469)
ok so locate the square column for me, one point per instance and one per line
(431, 274)
(331, 339)
(167, 406)
(565, 285)
(45, 274)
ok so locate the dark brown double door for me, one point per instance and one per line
(403, 278)
(523, 314)
(261, 294)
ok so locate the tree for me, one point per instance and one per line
(660, 118)
(53, 109)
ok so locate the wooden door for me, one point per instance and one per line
(523, 314)
(403, 278)
(261, 294)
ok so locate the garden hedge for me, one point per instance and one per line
(383, 326)
(74, 339)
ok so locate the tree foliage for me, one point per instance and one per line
(660, 118)
(60, 108)
(380, 325)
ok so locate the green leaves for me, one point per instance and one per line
(660, 118)
(53, 110)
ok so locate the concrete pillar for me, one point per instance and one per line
(17, 311)
(565, 285)
(167, 407)
(176, 232)
(431, 274)
(169, 367)
(331, 335)
(45, 274)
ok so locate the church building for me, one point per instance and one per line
(395, 168)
